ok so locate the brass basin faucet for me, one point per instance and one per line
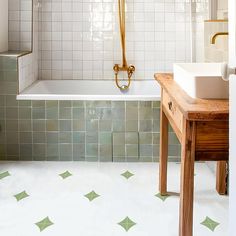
(213, 39)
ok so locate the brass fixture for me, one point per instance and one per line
(117, 68)
(213, 39)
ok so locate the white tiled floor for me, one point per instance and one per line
(63, 200)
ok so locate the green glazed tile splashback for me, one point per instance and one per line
(77, 130)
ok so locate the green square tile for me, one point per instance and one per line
(26, 152)
(156, 151)
(174, 150)
(52, 137)
(145, 138)
(2, 100)
(11, 75)
(13, 149)
(78, 104)
(39, 152)
(156, 125)
(52, 152)
(65, 125)
(173, 139)
(79, 125)
(12, 138)
(105, 138)
(119, 150)
(52, 125)
(65, 152)
(145, 104)
(118, 138)
(156, 138)
(92, 137)
(24, 113)
(64, 103)
(2, 113)
(25, 103)
(130, 104)
(25, 125)
(118, 125)
(92, 125)
(105, 113)
(145, 159)
(12, 113)
(131, 138)
(91, 150)
(156, 113)
(39, 137)
(52, 112)
(65, 112)
(38, 112)
(91, 113)
(39, 125)
(145, 125)
(12, 125)
(118, 113)
(2, 137)
(78, 137)
(78, 113)
(119, 158)
(132, 150)
(117, 104)
(105, 125)
(91, 158)
(132, 113)
(79, 152)
(52, 104)
(65, 137)
(145, 113)
(132, 125)
(38, 103)
(146, 150)
(105, 152)
(11, 101)
(25, 137)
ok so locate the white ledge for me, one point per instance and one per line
(148, 90)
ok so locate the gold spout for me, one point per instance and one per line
(124, 67)
(213, 39)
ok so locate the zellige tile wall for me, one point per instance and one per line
(76, 130)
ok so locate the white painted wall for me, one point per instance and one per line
(3, 25)
(222, 9)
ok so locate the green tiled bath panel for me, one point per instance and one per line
(77, 130)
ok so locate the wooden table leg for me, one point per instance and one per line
(163, 154)
(221, 175)
(187, 180)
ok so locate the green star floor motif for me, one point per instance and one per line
(127, 223)
(210, 224)
(43, 224)
(162, 197)
(4, 174)
(91, 196)
(21, 196)
(65, 175)
(127, 174)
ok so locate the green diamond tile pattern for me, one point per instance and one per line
(21, 196)
(127, 174)
(43, 224)
(4, 174)
(210, 224)
(162, 197)
(92, 195)
(127, 223)
(65, 174)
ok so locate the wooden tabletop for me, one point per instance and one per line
(193, 109)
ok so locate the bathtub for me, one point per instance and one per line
(146, 90)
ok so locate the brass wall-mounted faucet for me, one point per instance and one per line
(213, 39)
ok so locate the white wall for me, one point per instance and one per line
(222, 9)
(3, 25)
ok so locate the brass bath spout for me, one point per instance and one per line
(213, 39)
(117, 68)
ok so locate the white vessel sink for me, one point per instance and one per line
(201, 80)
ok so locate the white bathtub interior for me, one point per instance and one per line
(148, 90)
